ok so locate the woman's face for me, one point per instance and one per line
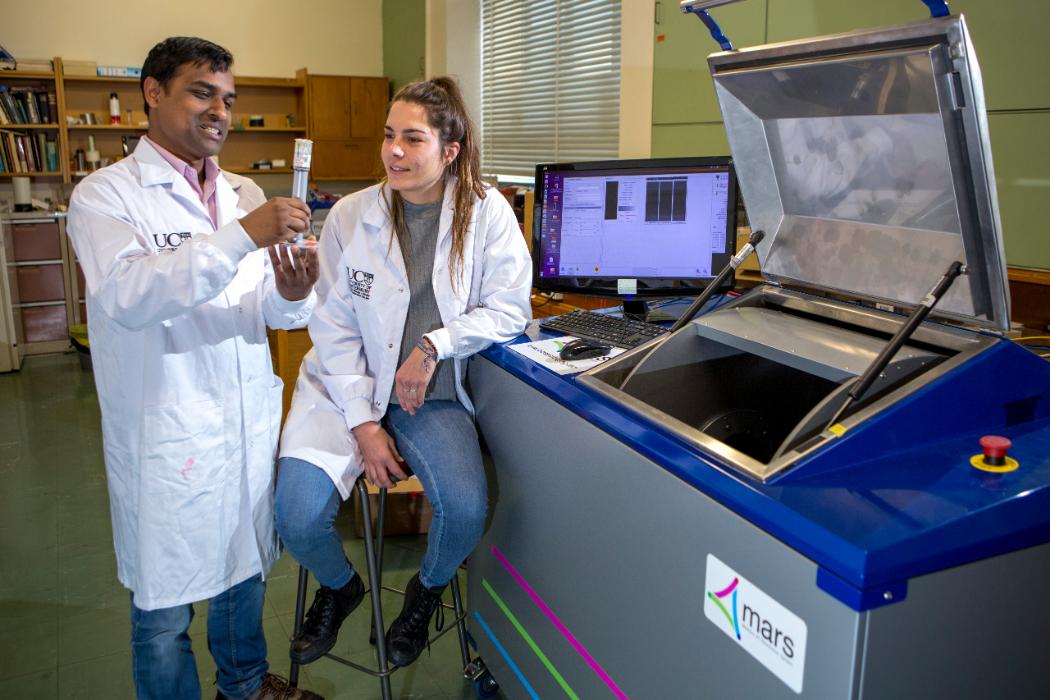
(413, 155)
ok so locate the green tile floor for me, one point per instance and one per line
(64, 630)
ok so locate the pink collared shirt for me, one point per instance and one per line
(211, 174)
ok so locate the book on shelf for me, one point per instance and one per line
(8, 104)
(5, 152)
(20, 153)
(20, 105)
(41, 152)
(119, 71)
(29, 146)
(7, 61)
(42, 109)
(85, 69)
(10, 156)
(27, 103)
(37, 65)
(52, 156)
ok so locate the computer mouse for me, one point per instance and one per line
(583, 349)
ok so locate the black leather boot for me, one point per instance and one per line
(409, 634)
(320, 630)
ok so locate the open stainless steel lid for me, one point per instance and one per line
(865, 157)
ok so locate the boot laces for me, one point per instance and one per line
(323, 613)
(426, 603)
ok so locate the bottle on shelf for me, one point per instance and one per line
(114, 108)
(93, 156)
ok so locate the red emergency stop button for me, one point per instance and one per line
(995, 447)
(994, 457)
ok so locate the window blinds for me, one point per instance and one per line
(550, 83)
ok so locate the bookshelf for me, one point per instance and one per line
(32, 140)
(343, 114)
(281, 102)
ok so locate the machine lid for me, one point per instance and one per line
(865, 158)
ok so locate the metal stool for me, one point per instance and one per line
(374, 563)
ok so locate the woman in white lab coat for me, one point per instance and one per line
(417, 274)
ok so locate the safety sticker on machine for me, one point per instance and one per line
(763, 627)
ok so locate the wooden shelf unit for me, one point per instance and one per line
(47, 81)
(343, 114)
(280, 101)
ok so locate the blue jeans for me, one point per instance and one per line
(162, 659)
(440, 444)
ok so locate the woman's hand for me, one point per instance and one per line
(413, 378)
(379, 454)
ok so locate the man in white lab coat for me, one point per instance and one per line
(179, 294)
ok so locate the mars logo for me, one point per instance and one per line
(734, 621)
(168, 242)
(763, 627)
(360, 282)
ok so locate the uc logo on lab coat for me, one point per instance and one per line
(360, 282)
(168, 242)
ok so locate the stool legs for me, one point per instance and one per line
(374, 580)
(373, 542)
(300, 610)
(461, 621)
(380, 520)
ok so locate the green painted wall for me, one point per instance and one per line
(1011, 48)
(404, 41)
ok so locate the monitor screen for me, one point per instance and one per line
(633, 228)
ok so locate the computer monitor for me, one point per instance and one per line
(633, 229)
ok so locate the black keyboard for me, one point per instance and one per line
(621, 332)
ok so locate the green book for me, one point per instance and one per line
(41, 149)
(52, 156)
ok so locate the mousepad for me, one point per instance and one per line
(545, 352)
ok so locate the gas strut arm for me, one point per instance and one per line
(694, 308)
(700, 9)
(899, 338)
(938, 8)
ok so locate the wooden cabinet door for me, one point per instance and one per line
(368, 104)
(350, 158)
(329, 107)
(38, 241)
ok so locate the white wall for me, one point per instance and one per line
(330, 36)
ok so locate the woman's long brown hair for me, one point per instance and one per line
(447, 115)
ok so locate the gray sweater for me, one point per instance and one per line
(422, 221)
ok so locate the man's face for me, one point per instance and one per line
(191, 115)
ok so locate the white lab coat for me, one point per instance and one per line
(346, 379)
(191, 409)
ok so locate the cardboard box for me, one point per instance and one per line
(408, 511)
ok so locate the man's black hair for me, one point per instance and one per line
(164, 59)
